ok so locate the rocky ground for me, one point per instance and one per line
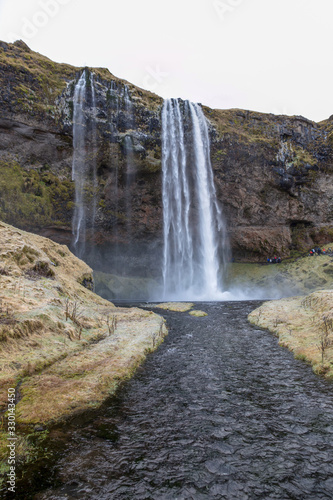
(63, 348)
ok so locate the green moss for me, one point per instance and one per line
(70, 205)
(71, 109)
(219, 155)
(46, 80)
(303, 157)
(330, 139)
(327, 232)
(87, 76)
(301, 357)
(32, 198)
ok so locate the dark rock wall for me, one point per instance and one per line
(274, 175)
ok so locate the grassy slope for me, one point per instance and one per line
(63, 363)
(299, 324)
(297, 321)
(301, 276)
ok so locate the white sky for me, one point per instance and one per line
(265, 55)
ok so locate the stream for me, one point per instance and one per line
(219, 411)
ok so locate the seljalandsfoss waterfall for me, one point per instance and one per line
(196, 248)
(195, 251)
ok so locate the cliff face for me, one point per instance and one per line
(273, 174)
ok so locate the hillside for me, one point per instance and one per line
(298, 276)
(63, 348)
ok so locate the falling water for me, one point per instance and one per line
(114, 114)
(195, 241)
(94, 153)
(130, 177)
(84, 160)
(128, 106)
(114, 104)
(130, 172)
(79, 162)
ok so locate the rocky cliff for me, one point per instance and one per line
(273, 174)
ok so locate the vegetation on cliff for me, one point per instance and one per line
(36, 150)
(31, 84)
(33, 198)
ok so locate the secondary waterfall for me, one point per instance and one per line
(195, 242)
(94, 152)
(84, 160)
(129, 159)
(79, 160)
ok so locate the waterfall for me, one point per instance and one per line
(195, 242)
(130, 176)
(79, 161)
(130, 171)
(84, 160)
(128, 106)
(94, 152)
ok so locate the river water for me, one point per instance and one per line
(218, 411)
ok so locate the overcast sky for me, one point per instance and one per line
(272, 56)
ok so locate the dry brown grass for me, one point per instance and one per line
(175, 306)
(198, 314)
(299, 323)
(54, 336)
